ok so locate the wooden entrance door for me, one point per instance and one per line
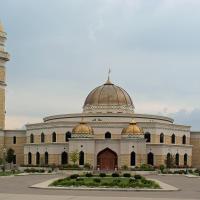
(107, 160)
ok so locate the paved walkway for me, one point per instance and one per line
(190, 189)
(50, 197)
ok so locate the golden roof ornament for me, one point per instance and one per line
(108, 82)
(82, 128)
(132, 129)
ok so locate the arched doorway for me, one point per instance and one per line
(64, 158)
(107, 159)
(150, 159)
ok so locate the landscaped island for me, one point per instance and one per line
(106, 181)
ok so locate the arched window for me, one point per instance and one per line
(133, 158)
(184, 140)
(185, 159)
(29, 158)
(53, 137)
(31, 138)
(46, 158)
(67, 136)
(81, 158)
(147, 136)
(42, 138)
(150, 159)
(14, 140)
(161, 138)
(37, 158)
(173, 139)
(177, 159)
(108, 135)
(64, 158)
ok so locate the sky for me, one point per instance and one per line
(61, 50)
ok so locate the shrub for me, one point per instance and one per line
(116, 181)
(102, 175)
(89, 175)
(128, 175)
(97, 180)
(137, 177)
(162, 167)
(87, 166)
(33, 170)
(132, 180)
(74, 176)
(190, 171)
(146, 167)
(79, 179)
(115, 174)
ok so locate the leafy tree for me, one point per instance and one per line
(10, 156)
(74, 156)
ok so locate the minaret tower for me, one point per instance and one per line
(4, 57)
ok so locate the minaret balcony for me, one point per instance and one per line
(4, 56)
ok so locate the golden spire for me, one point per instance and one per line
(108, 82)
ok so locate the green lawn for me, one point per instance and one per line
(117, 182)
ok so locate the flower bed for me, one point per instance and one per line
(100, 181)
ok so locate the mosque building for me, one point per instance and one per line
(107, 134)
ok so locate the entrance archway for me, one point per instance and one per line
(64, 158)
(150, 159)
(107, 159)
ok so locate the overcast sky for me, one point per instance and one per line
(60, 50)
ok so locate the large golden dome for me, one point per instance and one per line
(82, 128)
(108, 98)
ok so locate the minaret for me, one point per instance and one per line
(4, 57)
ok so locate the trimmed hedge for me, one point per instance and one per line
(128, 175)
(115, 174)
(102, 175)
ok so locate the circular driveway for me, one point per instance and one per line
(190, 188)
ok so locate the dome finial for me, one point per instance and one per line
(108, 82)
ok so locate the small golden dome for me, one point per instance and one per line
(132, 129)
(1, 27)
(82, 128)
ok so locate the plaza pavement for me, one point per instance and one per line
(17, 188)
(48, 197)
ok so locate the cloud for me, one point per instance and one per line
(191, 118)
(60, 52)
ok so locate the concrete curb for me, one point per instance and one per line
(192, 176)
(164, 187)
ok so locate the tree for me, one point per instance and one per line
(10, 156)
(170, 161)
(74, 156)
